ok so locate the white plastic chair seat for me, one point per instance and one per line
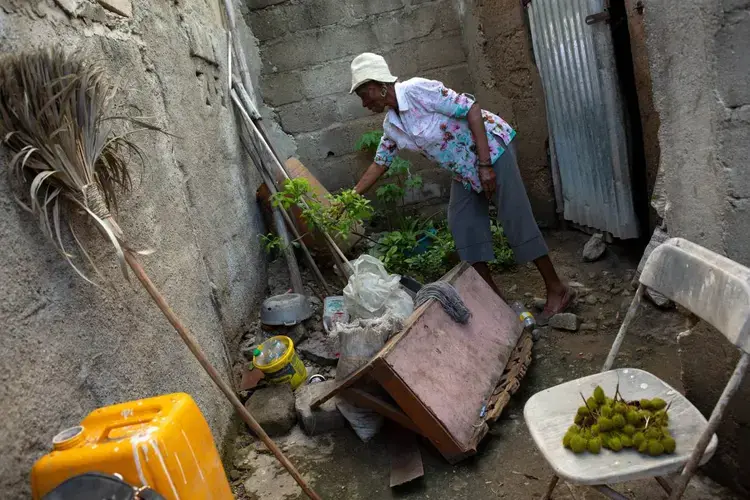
(549, 413)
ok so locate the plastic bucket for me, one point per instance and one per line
(287, 369)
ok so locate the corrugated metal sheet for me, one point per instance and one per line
(585, 113)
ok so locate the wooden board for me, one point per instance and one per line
(406, 459)
(453, 369)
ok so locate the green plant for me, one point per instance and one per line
(392, 194)
(504, 257)
(344, 211)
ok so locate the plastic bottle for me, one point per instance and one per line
(524, 316)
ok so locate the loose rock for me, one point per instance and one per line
(594, 248)
(538, 303)
(273, 408)
(616, 291)
(320, 349)
(564, 321)
(591, 300)
(323, 419)
(589, 326)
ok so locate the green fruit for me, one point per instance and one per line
(644, 415)
(621, 408)
(585, 433)
(591, 403)
(583, 411)
(655, 448)
(645, 404)
(669, 444)
(628, 429)
(653, 433)
(578, 444)
(566, 439)
(595, 430)
(605, 424)
(632, 417)
(606, 411)
(595, 445)
(638, 438)
(643, 447)
(574, 429)
(618, 421)
(627, 441)
(661, 416)
(658, 403)
(578, 419)
(615, 444)
(599, 395)
(609, 401)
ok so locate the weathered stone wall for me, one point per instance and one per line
(67, 347)
(306, 48)
(700, 65)
(507, 82)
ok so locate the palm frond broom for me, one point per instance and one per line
(65, 158)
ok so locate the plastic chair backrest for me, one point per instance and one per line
(711, 286)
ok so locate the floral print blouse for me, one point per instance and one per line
(432, 121)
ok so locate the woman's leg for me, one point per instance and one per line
(469, 222)
(522, 231)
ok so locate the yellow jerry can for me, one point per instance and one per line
(162, 442)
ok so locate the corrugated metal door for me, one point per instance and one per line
(586, 114)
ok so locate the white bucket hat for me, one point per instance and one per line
(370, 67)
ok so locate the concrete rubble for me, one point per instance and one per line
(594, 248)
(564, 321)
(273, 408)
(325, 418)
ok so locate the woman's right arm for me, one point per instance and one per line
(387, 151)
(370, 177)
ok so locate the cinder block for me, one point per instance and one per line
(317, 46)
(400, 26)
(308, 115)
(338, 173)
(325, 418)
(417, 56)
(330, 78)
(290, 18)
(336, 140)
(282, 88)
(262, 4)
(734, 137)
(363, 8)
(349, 107)
(456, 77)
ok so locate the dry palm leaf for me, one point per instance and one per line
(52, 121)
(53, 110)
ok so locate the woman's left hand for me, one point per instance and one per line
(488, 179)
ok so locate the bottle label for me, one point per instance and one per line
(524, 316)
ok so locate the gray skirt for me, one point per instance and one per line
(469, 216)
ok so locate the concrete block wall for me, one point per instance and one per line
(306, 47)
(700, 66)
(68, 347)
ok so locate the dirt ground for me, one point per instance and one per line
(340, 466)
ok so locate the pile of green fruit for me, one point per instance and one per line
(613, 423)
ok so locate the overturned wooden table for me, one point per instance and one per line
(447, 381)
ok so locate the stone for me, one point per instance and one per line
(70, 7)
(513, 288)
(528, 295)
(626, 293)
(326, 417)
(121, 7)
(564, 321)
(592, 300)
(94, 12)
(320, 349)
(616, 291)
(658, 299)
(243, 458)
(594, 248)
(273, 408)
(234, 475)
(589, 326)
(538, 303)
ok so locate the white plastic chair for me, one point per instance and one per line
(712, 287)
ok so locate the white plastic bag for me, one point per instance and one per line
(371, 291)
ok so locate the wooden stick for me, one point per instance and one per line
(191, 343)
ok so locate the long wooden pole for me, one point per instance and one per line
(191, 343)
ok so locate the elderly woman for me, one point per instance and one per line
(476, 147)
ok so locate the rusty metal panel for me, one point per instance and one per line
(586, 113)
